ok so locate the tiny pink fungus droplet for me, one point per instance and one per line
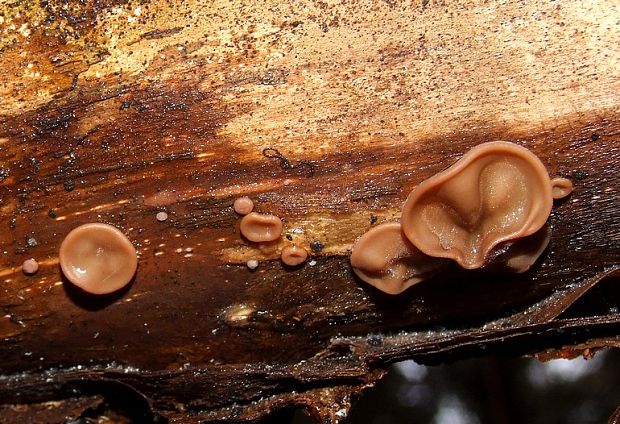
(252, 264)
(561, 187)
(243, 205)
(161, 216)
(260, 227)
(30, 266)
(98, 258)
(294, 255)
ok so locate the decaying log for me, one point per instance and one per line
(327, 114)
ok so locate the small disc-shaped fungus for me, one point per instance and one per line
(561, 187)
(243, 205)
(161, 216)
(496, 192)
(294, 255)
(98, 258)
(260, 227)
(385, 259)
(30, 267)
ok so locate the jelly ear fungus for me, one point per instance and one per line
(495, 193)
(294, 255)
(243, 205)
(98, 258)
(258, 227)
(489, 209)
(385, 259)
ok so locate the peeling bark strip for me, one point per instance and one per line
(326, 115)
(615, 417)
(346, 363)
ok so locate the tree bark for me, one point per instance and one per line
(327, 114)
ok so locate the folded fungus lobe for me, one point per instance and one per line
(385, 259)
(496, 192)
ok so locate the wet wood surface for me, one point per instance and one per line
(327, 114)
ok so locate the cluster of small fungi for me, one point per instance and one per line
(99, 259)
(488, 210)
(266, 230)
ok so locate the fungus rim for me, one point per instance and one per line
(561, 187)
(525, 252)
(118, 241)
(243, 205)
(261, 220)
(294, 255)
(533, 222)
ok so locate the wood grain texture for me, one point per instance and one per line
(327, 114)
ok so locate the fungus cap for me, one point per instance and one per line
(30, 266)
(243, 205)
(496, 192)
(161, 216)
(385, 259)
(98, 258)
(260, 227)
(561, 187)
(294, 255)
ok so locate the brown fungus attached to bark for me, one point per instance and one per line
(519, 256)
(561, 187)
(294, 255)
(98, 258)
(161, 216)
(243, 205)
(385, 259)
(261, 227)
(497, 192)
(30, 267)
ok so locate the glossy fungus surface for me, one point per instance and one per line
(561, 187)
(161, 216)
(294, 255)
(385, 259)
(98, 258)
(496, 192)
(261, 227)
(30, 266)
(243, 205)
